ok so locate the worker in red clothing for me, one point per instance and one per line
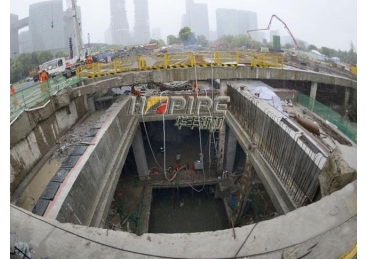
(12, 92)
(89, 61)
(43, 78)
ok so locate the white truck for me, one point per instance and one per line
(59, 66)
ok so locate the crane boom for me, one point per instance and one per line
(81, 51)
(285, 26)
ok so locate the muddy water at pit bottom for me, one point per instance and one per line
(36, 187)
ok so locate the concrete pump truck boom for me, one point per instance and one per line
(81, 51)
(67, 67)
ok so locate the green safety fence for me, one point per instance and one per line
(33, 95)
(345, 126)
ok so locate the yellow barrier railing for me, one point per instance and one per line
(353, 70)
(181, 60)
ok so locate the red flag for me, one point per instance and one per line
(162, 108)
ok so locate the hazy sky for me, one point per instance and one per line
(330, 23)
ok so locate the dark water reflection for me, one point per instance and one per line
(186, 213)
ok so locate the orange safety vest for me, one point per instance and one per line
(43, 77)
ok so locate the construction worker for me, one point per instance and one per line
(43, 78)
(12, 92)
(89, 61)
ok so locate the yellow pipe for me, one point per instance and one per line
(114, 67)
(237, 58)
(99, 70)
(191, 59)
(166, 61)
(218, 59)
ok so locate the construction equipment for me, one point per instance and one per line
(285, 25)
(59, 66)
(81, 52)
(222, 45)
(34, 73)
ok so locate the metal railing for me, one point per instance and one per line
(28, 98)
(347, 127)
(183, 60)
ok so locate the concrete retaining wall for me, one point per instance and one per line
(330, 223)
(86, 193)
(36, 131)
(203, 73)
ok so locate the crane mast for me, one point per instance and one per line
(80, 51)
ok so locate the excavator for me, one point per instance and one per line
(222, 45)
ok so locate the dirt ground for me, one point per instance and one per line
(74, 136)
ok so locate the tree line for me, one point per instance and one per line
(25, 62)
(187, 37)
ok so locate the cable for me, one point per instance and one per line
(146, 132)
(235, 256)
(201, 148)
(164, 138)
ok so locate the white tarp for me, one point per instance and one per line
(267, 95)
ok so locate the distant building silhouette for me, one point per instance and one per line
(49, 28)
(141, 25)
(14, 43)
(196, 18)
(120, 31)
(236, 22)
(46, 25)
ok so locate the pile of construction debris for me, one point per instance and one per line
(135, 51)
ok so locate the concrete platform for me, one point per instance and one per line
(331, 223)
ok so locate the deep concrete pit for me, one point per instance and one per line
(114, 124)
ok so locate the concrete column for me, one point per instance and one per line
(346, 101)
(222, 132)
(91, 104)
(313, 90)
(245, 189)
(223, 87)
(312, 95)
(221, 141)
(139, 154)
(230, 151)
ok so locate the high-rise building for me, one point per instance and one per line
(247, 20)
(227, 22)
(197, 18)
(119, 26)
(69, 29)
(24, 42)
(46, 25)
(141, 26)
(156, 33)
(235, 22)
(14, 44)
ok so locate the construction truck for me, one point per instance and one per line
(59, 66)
(223, 45)
(34, 73)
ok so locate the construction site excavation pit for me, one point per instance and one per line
(188, 198)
